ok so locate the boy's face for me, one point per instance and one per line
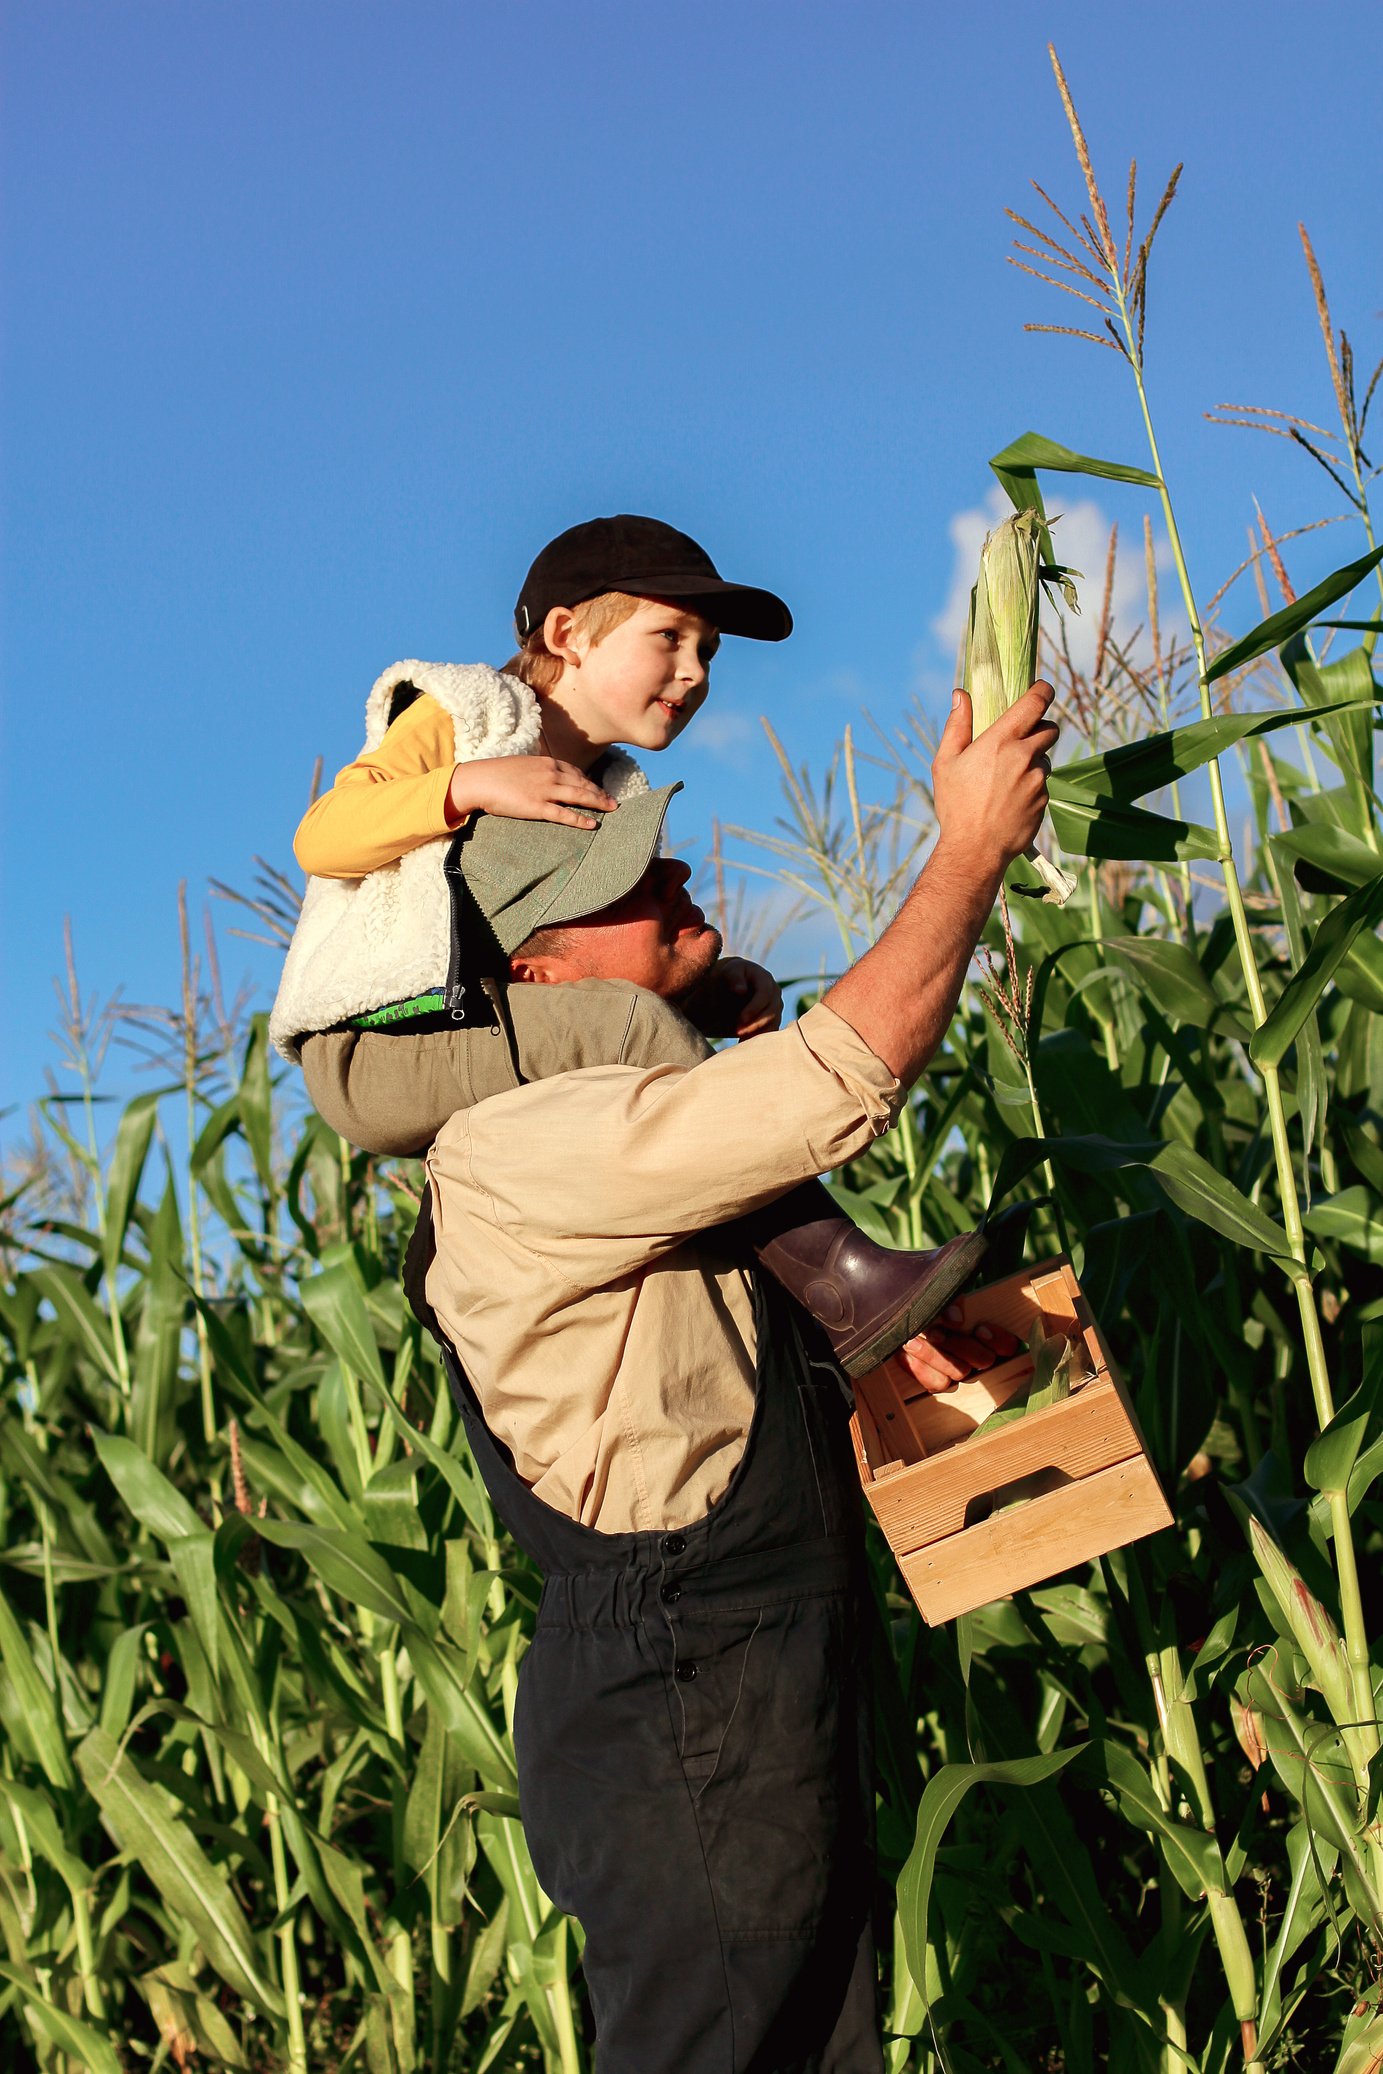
(645, 680)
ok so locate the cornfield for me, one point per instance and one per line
(260, 1633)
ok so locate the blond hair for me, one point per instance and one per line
(535, 664)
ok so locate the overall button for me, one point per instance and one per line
(670, 1594)
(674, 1544)
(686, 1672)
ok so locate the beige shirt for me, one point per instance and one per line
(610, 1343)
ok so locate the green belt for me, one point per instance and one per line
(397, 1011)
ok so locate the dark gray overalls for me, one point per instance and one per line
(693, 1744)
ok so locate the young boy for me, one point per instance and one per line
(392, 996)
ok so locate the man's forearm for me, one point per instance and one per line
(901, 995)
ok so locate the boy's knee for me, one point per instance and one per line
(598, 1022)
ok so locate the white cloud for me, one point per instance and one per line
(1081, 539)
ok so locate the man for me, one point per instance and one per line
(666, 1434)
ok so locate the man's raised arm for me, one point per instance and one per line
(990, 796)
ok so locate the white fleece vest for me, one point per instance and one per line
(361, 943)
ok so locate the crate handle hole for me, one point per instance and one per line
(1037, 1484)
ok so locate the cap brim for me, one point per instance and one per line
(619, 853)
(734, 608)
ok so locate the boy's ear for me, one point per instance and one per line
(559, 629)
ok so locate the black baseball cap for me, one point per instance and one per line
(648, 560)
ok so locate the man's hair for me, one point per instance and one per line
(535, 663)
(545, 943)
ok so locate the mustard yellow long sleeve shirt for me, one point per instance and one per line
(386, 802)
(605, 1329)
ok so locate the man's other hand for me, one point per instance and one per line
(991, 793)
(942, 1356)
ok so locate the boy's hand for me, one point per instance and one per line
(526, 788)
(755, 993)
(735, 999)
(991, 794)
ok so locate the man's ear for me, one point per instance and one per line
(559, 630)
(534, 971)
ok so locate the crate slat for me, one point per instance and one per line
(1078, 1436)
(1024, 1546)
(925, 1460)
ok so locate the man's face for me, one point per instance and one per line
(656, 937)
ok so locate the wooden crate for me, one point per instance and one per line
(1073, 1480)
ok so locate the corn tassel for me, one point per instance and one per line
(1001, 647)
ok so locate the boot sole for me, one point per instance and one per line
(947, 1281)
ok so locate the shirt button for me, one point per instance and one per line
(670, 1594)
(674, 1544)
(686, 1672)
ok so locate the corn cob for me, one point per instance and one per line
(1001, 646)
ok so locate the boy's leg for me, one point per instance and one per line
(390, 1091)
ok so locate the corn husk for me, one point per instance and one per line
(1001, 646)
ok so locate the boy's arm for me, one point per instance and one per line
(385, 803)
(408, 790)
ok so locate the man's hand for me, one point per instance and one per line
(991, 794)
(942, 1356)
(526, 788)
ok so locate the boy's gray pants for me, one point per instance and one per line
(390, 1092)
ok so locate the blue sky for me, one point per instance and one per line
(322, 317)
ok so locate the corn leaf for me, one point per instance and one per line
(140, 1818)
(1362, 909)
(1031, 451)
(133, 1136)
(1279, 627)
(38, 1724)
(1174, 979)
(1192, 1855)
(188, 2020)
(68, 2033)
(1133, 769)
(145, 1489)
(335, 1302)
(71, 1299)
(1331, 1457)
(1309, 1858)
(1354, 1216)
(44, 1835)
(1313, 1082)
(941, 1797)
(1359, 975)
(254, 1101)
(1349, 734)
(1325, 857)
(1091, 827)
(346, 1563)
